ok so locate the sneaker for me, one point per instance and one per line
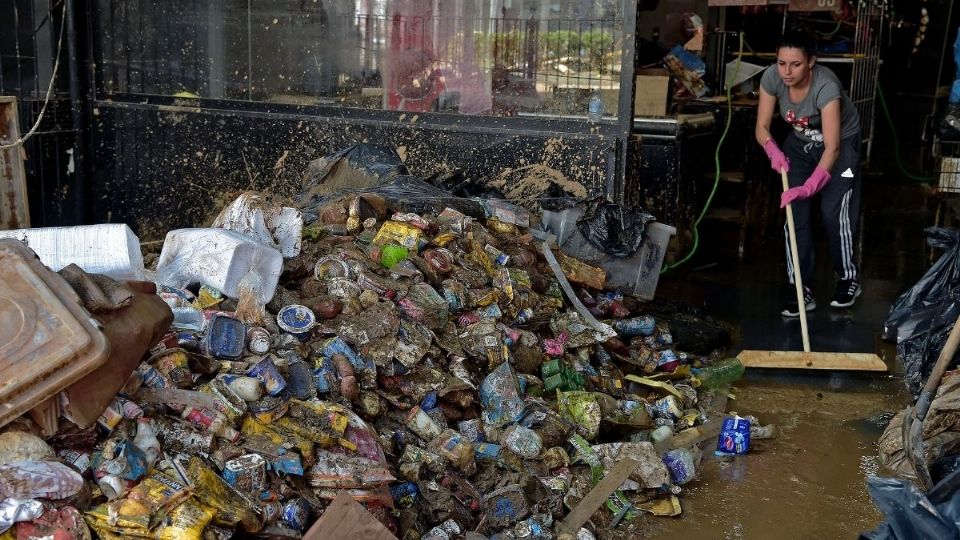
(791, 309)
(847, 292)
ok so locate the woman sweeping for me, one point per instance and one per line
(821, 156)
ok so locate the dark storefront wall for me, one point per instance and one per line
(175, 132)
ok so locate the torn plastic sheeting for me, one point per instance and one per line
(613, 228)
(933, 298)
(16, 510)
(225, 260)
(604, 331)
(911, 514)
(257, 216)
(38, 479)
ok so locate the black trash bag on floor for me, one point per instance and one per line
(612, 228)
(920, 352)
(376, 161)
(911, 513)
(915, 311)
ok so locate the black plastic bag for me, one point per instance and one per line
(913, 514)
(920, 352)
(923, 307)
(377, 162)
(613, 229)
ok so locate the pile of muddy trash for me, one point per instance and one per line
(454, 375)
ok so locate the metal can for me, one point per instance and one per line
(296, 513)
(331, 267)
(496, 256)
(247, 473)
(112, 486)
(300, 379)
(258, 340)
(422, 424)
(637, 326)
(297, 320)
(270, 511)
(270, 408)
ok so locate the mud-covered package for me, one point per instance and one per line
(734, 437)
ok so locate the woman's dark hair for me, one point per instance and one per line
(799, 40)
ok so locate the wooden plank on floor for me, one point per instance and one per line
(840, 361)
(588, 505)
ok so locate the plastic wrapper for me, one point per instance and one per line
(523, 441)
(424, 305)
(16, 510)
(110, 248)
(225, 260)
(613, 228)
(681, 464)
(22, 446)
(583, 410)
(256, 216)
(211, 490)
(145, 505)
(734, 436)
(38, 480)
(342, 471)
(500, 396)
(185, 522)
(911, 513)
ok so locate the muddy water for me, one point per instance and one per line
(808, 483)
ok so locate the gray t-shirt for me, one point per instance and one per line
(805, 115)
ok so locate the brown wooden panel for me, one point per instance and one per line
(14, 211)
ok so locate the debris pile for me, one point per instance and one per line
(454, 375)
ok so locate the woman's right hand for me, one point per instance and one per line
(778, 161)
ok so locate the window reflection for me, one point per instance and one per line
(474, 57)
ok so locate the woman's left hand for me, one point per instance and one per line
(811, 187)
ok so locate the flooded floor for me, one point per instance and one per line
(811, 481)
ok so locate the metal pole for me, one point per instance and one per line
(77, 187)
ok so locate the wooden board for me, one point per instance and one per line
(345, 519)
(14, 210)
(841, 361)
(589, 504)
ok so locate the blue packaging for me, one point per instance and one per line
(297, 320)
(404, 494)
(429, 401)
(296, 513)
(681, 465)
(472, 430)
(225, 337)
(734, 437)
(287, 463)
(637, 326)
(487, 450)
(267, 371)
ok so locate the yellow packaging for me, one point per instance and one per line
(206, 299)
(443, 239)
(186, 522)
(144, 506)
(398, 232)
(479, 256)
(320, 422)
(502, 227)
(483, 297)
(211, 490)
(253, 429)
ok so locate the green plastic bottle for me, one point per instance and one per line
(721, 374)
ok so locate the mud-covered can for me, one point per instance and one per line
(258, 340)
(297, 320)
(637, 326)
(247, 473)
(296, 513)
(267, 371)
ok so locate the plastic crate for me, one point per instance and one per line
(948, 165)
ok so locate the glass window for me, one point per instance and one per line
(477, 57)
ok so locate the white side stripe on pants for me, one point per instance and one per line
(786, 241)
(846, 238)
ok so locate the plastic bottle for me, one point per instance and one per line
(595, 108)
(146, 440)
(720, 374)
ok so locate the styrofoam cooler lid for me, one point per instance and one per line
(47, 340)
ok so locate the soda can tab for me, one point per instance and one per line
(247, 473)
(734, 437)
(267, 371)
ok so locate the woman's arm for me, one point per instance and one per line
(764, 116)
(830, 126)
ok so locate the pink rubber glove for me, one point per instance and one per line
(778, 161)
(814, 184)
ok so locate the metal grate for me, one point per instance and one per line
(947, 155)
(868, 39)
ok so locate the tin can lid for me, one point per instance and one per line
(296, 319)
